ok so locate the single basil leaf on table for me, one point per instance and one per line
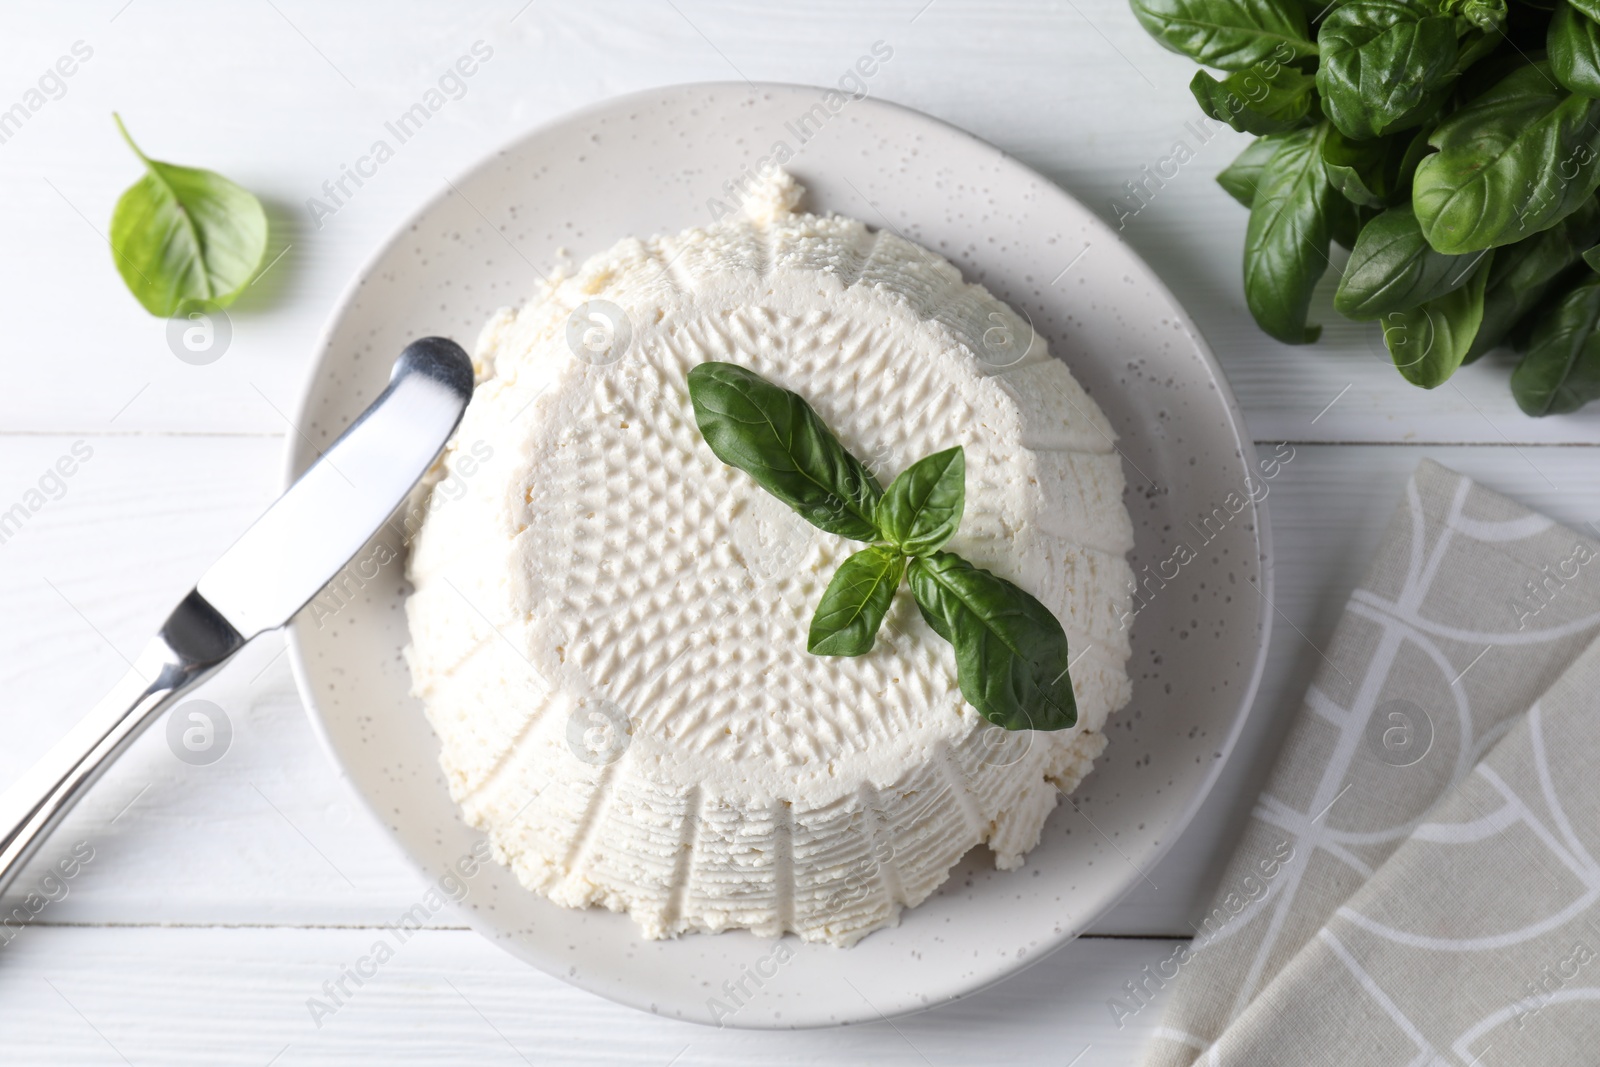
(1286, 242)
(1512, 162)
(1574, 45)
(1393, 268)
(1428, 343)
(1011, 653)
(854, 604)
(184, 238)
(1561, 370)
(922, 507)
(1385, 65)
(1524, 272)
(1228, 34)
(1252, 102)
(1240, 178)
(773, 435)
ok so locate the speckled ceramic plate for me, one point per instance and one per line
(661, 161)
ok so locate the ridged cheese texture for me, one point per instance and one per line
(609, 625)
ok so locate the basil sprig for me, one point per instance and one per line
(1011, 652)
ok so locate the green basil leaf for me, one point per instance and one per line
(773, 435)
(1286, 243)
(1592, 258)
(1011, 653)
(1346, 220)
(1486, 15)
(1591, 8)
(1228, 34)
(1393, 268)
(1251, 102)
(1363, 172)
(855, 602)
(922, 507)
(1385, 65)
(1429, 343)
(1415, 151)
(1574, 44)
(1524, 272)
(184, 237)
(1512, 162)
(1240, 178)
(1561, 370)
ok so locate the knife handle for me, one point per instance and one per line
(193, 643)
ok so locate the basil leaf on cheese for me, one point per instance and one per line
(773, 435)
(855, 602)
(1011, 653)
(922, 507)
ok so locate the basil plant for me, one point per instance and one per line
(1452, 145)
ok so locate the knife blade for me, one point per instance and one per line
(273, 570)
(317, 526)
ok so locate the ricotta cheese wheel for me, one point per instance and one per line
(608, 625)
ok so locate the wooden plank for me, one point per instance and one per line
(1081, 93)
(212, 996)
(93, 561)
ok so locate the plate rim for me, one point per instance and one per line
(1246, 452)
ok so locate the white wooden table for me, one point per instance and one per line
(214, 905)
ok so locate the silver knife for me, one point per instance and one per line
(282, 561)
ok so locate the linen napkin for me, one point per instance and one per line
(1416, 882)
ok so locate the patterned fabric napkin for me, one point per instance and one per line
(1417, 884)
